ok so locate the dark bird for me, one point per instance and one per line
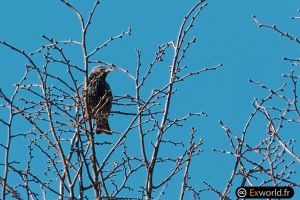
(99, 98)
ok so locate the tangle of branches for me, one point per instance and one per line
(63, 158)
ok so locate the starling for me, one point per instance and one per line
(99, 98)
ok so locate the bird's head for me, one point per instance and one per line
(102, 71)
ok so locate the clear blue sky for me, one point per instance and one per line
(226, 34)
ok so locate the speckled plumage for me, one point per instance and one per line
(100, 98)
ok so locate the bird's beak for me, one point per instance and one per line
(110, 69)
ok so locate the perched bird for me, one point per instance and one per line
(99, 98)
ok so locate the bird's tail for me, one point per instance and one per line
(103, 127)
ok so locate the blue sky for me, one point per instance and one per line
(225, 34)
